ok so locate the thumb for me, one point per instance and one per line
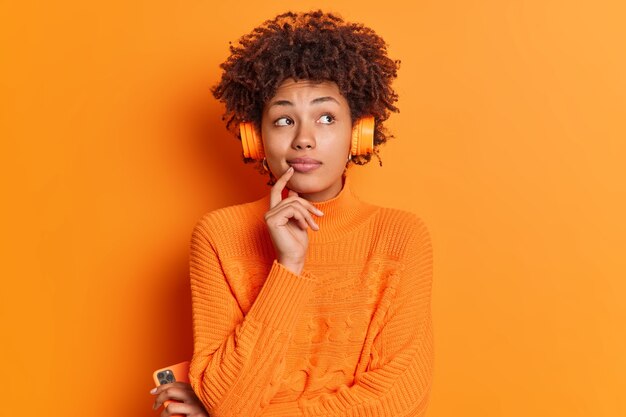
(292, 194)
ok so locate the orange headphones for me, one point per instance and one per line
(362, 139)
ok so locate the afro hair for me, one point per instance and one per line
(314, 46)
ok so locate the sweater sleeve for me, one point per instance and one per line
(237, 358)
(397, 378)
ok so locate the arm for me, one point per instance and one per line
(236, 358)
(397, 373)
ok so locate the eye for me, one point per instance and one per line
(327, 119)
(283, 121)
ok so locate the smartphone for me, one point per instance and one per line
(173, 373)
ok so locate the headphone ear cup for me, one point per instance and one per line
(363, 136)
(243, 134)
(250, 141)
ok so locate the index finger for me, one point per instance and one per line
(277, 190)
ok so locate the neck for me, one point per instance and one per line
(342, 214)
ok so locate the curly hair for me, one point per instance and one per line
(313, 46)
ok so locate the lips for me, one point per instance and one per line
(303, 165)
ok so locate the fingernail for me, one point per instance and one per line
(153, 391)
(319, 212)
(290, 169)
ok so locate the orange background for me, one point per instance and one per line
(509, 141)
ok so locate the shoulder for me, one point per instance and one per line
(398, 234)
(401, 223)
(231, 221)
(398, 217)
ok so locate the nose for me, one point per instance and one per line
(304, 139)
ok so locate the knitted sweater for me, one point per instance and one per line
(350, 336)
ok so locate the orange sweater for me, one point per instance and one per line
(350, 336)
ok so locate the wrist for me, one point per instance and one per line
(294, 266)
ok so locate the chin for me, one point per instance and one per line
(306, 184)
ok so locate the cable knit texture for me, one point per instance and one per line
(350, 336)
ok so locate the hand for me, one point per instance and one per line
(190, 404)
(288, 221)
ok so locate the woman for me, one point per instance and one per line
(309, 302)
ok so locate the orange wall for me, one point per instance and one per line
(508, 144)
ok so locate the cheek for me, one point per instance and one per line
(269, 144)
(344, 143)
(274, 150)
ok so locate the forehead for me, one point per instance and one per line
(303, 90)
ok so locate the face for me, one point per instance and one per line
(308, 125)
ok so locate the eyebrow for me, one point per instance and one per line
(314, 101)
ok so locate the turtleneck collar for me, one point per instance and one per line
(342, 214)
